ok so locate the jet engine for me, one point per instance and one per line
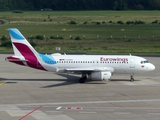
(100, 75)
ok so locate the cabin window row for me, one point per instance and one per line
(83, 62)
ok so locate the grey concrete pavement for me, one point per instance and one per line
(29, 94)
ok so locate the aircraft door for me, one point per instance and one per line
(132, 62)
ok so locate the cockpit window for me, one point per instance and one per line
(146, 62)
(143, 62)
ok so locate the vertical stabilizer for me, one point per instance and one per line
(24, 53)
(20, 45)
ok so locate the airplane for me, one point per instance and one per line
(94, 67)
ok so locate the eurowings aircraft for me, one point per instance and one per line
(94, 67)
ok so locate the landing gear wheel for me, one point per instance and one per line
(85, 77)
(81, 80)
(132, 79)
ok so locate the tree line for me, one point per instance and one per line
(10, 5)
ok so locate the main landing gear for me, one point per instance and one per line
(83, 78)
(132, 79)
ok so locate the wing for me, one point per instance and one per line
(89, 70)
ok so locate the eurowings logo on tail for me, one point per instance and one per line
(25, 54)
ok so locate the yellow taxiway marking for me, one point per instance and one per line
(1, 83)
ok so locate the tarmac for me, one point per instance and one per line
(29, 94)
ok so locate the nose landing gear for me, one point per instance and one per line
(132, 79)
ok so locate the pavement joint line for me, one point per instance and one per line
(87, 112)
(54, 111)
(88, 102)
(122, 113)
(153, 113)
(98, 110)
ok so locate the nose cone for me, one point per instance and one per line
(151, 67)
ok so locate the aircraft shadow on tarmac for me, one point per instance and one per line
(68, 80)
(3, 79)
(112, 80)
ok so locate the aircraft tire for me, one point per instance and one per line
(132, 80)
(81, 80)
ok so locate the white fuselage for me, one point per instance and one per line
(119, 63)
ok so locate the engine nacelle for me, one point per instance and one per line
(100, 75)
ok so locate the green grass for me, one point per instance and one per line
(90, 31)
(135, 39)
(63, 16)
